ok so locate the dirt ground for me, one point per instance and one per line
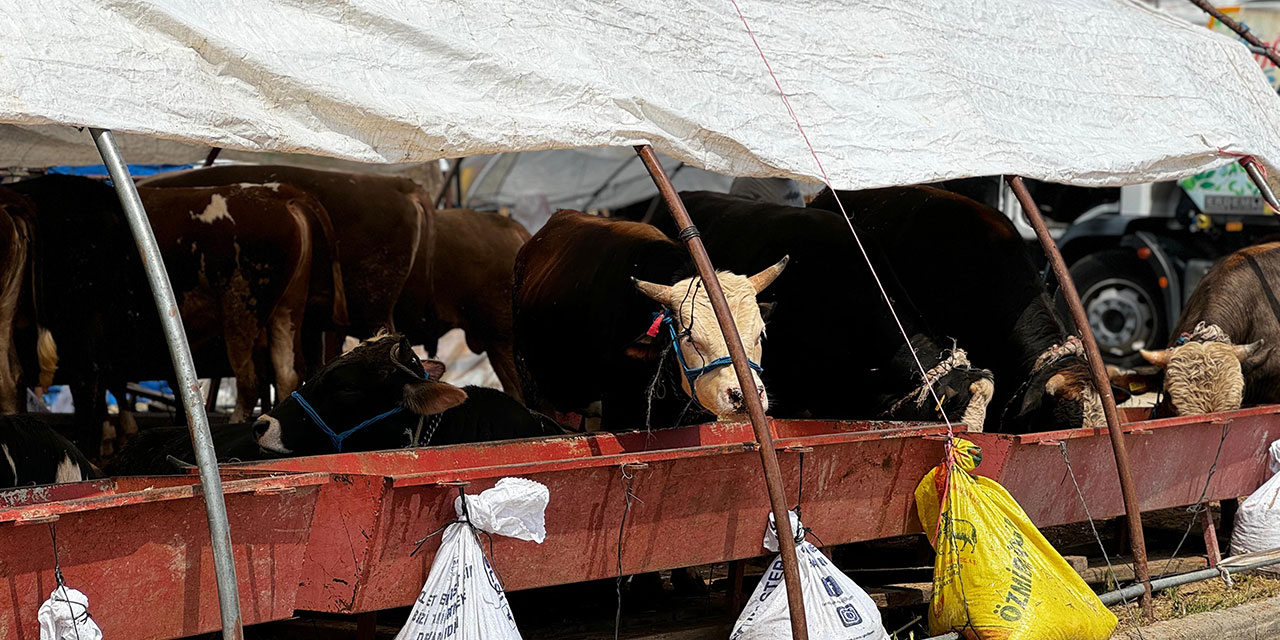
(1199, 597)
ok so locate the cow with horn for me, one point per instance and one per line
(1219, 356)
(599, 305)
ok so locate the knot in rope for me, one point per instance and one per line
(1072, 346)
(956, 359)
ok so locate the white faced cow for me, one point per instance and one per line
(585, 335)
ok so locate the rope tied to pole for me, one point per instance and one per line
(628, 483)
(1062, 448)
(76, 618)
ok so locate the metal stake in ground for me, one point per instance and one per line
(188, 384)
(1100, 380)
(755, 409)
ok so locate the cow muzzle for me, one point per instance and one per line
(270, 435)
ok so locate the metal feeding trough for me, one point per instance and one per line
(698, 498)
(139, 549)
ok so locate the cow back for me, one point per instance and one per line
(378, 222)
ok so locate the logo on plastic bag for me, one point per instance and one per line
(833, 589)
(849, 616)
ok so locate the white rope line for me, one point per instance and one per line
(827, 180)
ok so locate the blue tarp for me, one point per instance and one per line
(137, 170)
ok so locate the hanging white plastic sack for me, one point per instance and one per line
(463, 598)
(65, 616)
(1257, 525)
(835, 607)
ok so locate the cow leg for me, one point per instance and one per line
(90, 399)
(11, 397)
(240, 353)
(285, 343)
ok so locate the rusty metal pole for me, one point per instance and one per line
(1210, 535)
(1100, 380)
(442, 198)
(1240, 30)
(755, 409)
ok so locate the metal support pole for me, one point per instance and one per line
(1250, 165)
(442, 198)
(755, 409)
(189, 385)
(1210, 536)
(1240, 30)
(213, 155)
(1101, 381)
(1236, 564)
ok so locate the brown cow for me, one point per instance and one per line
(383, 227)
(239, 259)
(467, 287)
(1219, 354)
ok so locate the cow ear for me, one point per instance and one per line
(766, 310)
(429, 398)
(643, 348)
(434, 369)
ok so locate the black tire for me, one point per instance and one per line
(1123, 302)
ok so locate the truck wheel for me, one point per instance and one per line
(1123, 303)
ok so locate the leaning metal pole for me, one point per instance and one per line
(1257, 45)
(197, 421)
(1100, 380)
(768, 456)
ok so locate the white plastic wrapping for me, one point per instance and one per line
(835, 607)
(514, 507)
(463, 598)
(65, 616)
(1257, 526)
(891, 92)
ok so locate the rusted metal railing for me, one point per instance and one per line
(755, 408)
(1100, 379)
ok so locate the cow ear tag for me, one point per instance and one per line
(657, 323)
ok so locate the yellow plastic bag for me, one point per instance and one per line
(996, 577)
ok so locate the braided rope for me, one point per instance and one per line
(1071, 347)
(957, 358)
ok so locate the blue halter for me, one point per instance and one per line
(337, 438)
(690, 373)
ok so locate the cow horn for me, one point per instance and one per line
(1057, 382)
(660, 293)
(766, 277)
(1158, 358)
(1245, 350)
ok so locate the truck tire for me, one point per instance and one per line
(1123, 303)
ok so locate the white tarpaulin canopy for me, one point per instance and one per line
(1083, 91)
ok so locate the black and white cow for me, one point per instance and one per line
(380, 384)
(380, 395)
(32, 453)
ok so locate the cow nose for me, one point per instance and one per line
(735, 398)
(260, 428)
